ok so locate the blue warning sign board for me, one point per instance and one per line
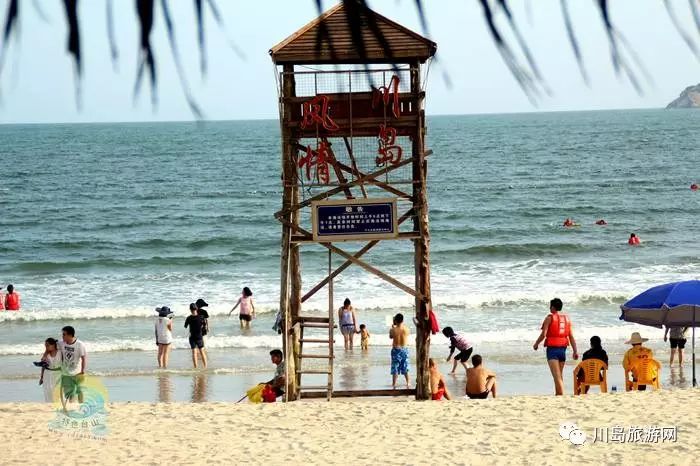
(354, 219)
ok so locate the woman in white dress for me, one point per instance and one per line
(51, 371)
(164, 335)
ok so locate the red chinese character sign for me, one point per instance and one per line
(388, 150)
(386, 94)
(335, 112)
(318, 159)
(316, 120)
(315, 113)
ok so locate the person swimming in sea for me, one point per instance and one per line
(634, 240)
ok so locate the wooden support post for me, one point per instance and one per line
(330, 327)
(421, 245)
(294, 253)
(363, 393)
(288, 200)
(295, 282)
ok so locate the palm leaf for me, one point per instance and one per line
(529, 77)
(684, 35)
(170, 27)
(144, 11)
(10, 22)
(113, 51)
(572, 40)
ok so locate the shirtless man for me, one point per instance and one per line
(438, 387)
(480, 381)
(399, 353)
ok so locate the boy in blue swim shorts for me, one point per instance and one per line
(399, 353)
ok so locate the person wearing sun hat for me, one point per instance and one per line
(201, 304)
(634, 355)
(164, 335)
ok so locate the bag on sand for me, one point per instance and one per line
(255, 394)
(268, 394)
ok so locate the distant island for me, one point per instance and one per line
(689, 98)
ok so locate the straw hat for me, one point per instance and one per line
(636, 339)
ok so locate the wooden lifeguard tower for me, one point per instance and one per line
(353, 170)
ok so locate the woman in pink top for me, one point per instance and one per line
(247, 311)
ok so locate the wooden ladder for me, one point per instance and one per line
(309, 322)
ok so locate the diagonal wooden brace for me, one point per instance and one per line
(361, 263)
(375, 271)
(351, 155)
(348, 263)
(371, 176)
(381, 184)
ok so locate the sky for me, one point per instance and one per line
(37, 81)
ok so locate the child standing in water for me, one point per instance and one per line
(51, 370)
(247, 312)
(364, 337)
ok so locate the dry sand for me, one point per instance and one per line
(511, 430)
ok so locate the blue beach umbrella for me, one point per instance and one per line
(673, 305)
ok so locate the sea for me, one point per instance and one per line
(101, 223)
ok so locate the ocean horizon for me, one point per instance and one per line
(276, 117)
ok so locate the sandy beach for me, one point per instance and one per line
(521, 430)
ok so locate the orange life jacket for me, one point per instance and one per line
(558, 331)
(12, 301)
